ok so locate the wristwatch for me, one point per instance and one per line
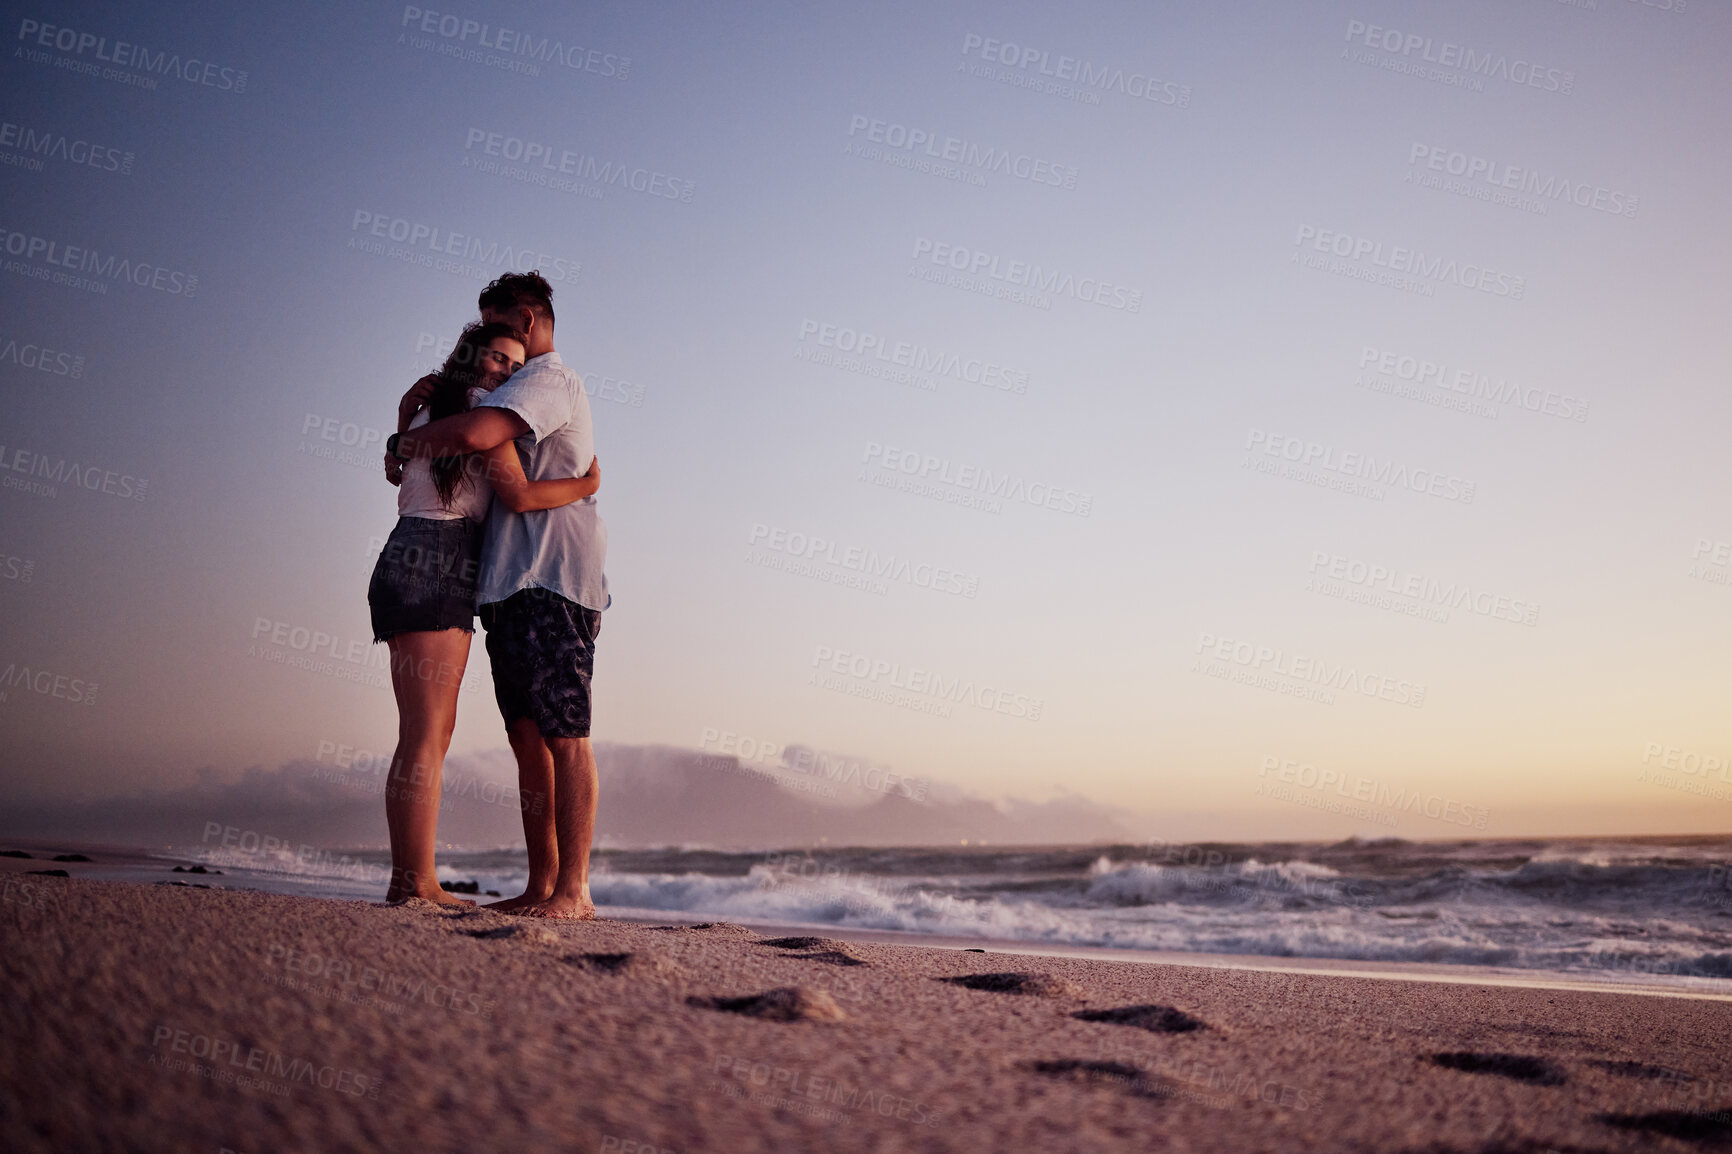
(391, 446)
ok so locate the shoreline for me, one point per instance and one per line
(127, 863)
(1716, 989)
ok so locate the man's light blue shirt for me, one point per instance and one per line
(563, 549)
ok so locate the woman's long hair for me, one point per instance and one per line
(451, 395)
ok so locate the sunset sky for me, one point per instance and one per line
(1143, 402)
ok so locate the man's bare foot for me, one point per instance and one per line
(518, 903)
(579, 909)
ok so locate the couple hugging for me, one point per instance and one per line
(494, 463)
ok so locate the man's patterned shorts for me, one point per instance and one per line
(543, 652)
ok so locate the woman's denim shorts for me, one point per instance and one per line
(426, 576)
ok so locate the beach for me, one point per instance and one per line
(172, 1017)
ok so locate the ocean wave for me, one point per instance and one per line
(1160, 920)
(1142, 883)
(305, 865)
(1637, 911)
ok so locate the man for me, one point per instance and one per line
(542, 592)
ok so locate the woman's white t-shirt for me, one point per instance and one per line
(417, 496)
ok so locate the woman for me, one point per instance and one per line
(422, 595)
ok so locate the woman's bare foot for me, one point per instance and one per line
(438, 896)
(406, 884)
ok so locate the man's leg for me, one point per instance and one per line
(548, 645)
(576, 789)
(506, 648)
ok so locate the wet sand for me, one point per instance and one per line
(161, 1017)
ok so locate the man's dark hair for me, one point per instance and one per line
(518, 290)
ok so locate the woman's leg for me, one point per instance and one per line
(426, 671)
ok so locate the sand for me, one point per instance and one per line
(157, 1017)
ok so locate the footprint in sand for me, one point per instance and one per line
(625, 965)
(1028, 985)
(723, 929)
(1628, 1069)
(1113, 1075)
(1533, 1031)
(826, 950)
(788, 1004)
(833, 958)
(1521, 1067)
(1689, 1125)
(1155, 1019)
(518, 933)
